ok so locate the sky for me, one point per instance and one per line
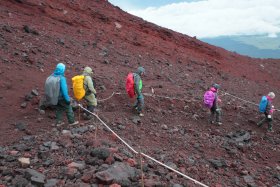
(209, 18)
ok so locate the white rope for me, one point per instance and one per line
(246, 101)
(164, 97)
(101, 100)
(225, 93)
(181, 99)
(133, 150)
(108, 128)
(146, 94)
(195, 181)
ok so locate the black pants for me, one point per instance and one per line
(215, 114)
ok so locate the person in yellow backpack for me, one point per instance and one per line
(90, 95)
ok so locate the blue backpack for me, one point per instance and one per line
(263, 104)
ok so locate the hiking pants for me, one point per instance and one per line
(139, 104)
(62, 107)
(215, 114)
(91, 100)
(266, 119)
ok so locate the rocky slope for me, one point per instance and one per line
(35, 35)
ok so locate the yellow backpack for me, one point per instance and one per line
(78, 87)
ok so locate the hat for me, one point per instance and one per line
(88, 70)
(216, 86)
(271, 95)
(140, 70)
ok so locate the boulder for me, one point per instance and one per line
(101, 153)
(119, 173)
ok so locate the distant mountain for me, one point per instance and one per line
(253, 46)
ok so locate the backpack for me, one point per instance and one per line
(129, 85)
(52, 90)
(209, 98)
(263, 104)
(78, 87)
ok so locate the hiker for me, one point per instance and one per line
(56, 92)
(90, 94)
(139, 103)
(267, 109)
(211, 100)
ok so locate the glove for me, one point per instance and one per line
(269, 116)
(140, 96)
(67, 102)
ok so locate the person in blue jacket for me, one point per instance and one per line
(64, 100)
(268, 113)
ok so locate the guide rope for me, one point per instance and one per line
(135, 152)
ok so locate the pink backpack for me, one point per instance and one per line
(209, 98)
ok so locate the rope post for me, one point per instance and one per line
(79, 114)
(141, 166)
(95, 134)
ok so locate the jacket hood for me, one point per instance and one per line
(140, 70)
(88, 71)
(60, 69)
(269, 98)
(216, 86)
(213, 89)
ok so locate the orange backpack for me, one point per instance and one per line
(78, 87)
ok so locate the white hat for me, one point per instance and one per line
(271, 95)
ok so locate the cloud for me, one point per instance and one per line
(211, 18)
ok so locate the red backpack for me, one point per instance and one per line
(129, 85)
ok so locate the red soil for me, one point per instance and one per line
(87, 33)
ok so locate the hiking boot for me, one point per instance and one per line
(219, 123)
(87, 117)
(60, 123)
(270, 129)
(259, 124)
(74, 123)
(135, 109)
(141, 114)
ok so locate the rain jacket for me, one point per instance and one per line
(138, 82)
(90, 95)
(215, 103)
(88, 83)
(59, 72)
